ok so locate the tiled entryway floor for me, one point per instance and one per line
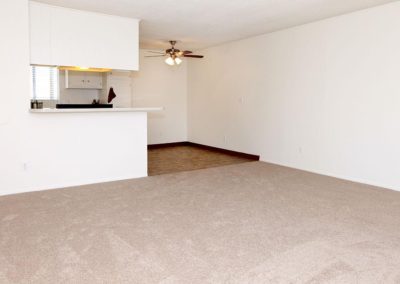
(186, 158)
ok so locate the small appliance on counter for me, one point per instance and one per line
(35, 104)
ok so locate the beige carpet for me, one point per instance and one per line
(245, 223)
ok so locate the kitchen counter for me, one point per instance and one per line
(88, 110)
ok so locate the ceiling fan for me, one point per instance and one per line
(174, 55)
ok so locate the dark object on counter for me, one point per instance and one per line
(84, 106)
(111, 95)
(96, 102)
(35, 104)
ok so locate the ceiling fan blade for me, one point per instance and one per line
(159, 52)
(154, 55)
(187, 52)
(193, 56)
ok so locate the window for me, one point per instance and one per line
(44, 83)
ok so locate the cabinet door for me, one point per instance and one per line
(74, 80)
(67, 37)
(94, 40)
(83, 80)
(93, 80)
(39, 29)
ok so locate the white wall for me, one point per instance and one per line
(158, 84)
(323, 97)
(121, 82)
(111, 145)
(14, 79)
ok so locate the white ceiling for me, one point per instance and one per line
(202, 23)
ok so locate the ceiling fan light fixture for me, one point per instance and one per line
(178, 60)
(170, 61)
(174, 55)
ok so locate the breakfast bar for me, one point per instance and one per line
(89, 110)
(84, 146)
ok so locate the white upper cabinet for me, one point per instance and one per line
(83, 80)
(67, 37)
(40, 38)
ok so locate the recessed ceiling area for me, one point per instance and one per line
(198, 24)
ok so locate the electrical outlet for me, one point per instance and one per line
(25, 166)
(225, 138)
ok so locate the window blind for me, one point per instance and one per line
(44, 83)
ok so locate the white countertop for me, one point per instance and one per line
(84, 110)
